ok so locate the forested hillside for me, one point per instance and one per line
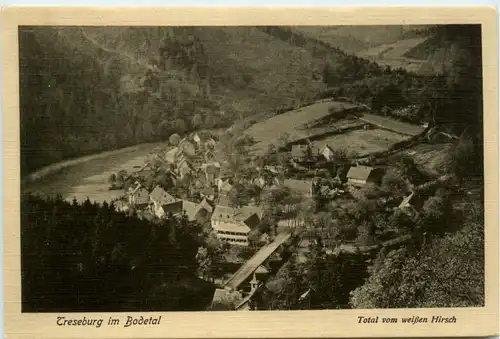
(89, 89)
(106, 260)
(85, 90)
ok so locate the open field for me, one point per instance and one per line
(361, 142)
(269, 131)
(89, 178)
(394, 50)
(394, 56)
(392, 124)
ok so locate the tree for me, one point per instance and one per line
(393, 182)
(227, 303)
(112, 179)
(410, 171)
(180, 126)
(271, 149)
(147, 130)
(332, 277)
(284, 139)
(401, 221)
(366, 234)
(389, 96)
(120, 178)
(197, 121)
(446, 271)
(289, 284)
(125, 257)
(174, 139)
(462, 160)
(205, 263)
(246, 252)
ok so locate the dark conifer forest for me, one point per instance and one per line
(84, 257)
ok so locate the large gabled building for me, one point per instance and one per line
(160, 198)
(361, 175)
(228, 228)
(234, 224)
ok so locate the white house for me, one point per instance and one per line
(234, 224)
(196, 138)
(260, 182)
(159, 198)
(224, 186)
(327, 152)
(361, 175)
(183, 168)
(138, 197)
(171, 155)
(187, 146)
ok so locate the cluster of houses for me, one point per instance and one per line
(233, 225)
(229, 224)
(191, 154)
(302, 152)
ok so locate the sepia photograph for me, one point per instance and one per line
(207, 169)
(251, 168)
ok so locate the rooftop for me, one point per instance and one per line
(412, 200)
(223, 213)
(225, 186)
(160, 196)
(141, 195)
(219, 295)
(359, 172)
(231, 226)
(248, 216)
(206, 205)
(170, 155)
(248, 211)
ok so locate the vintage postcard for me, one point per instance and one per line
(251, 172)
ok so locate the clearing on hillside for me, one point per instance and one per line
(361, 142)
(392, 124)
(394, 50)
(269, 131)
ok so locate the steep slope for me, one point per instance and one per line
(387, 45)
(92, 89)
(240, 61)
(354, 39)
(78, 99)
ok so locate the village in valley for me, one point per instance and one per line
(251, 168)
(263, 207)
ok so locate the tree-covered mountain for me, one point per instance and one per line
(89, 89)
